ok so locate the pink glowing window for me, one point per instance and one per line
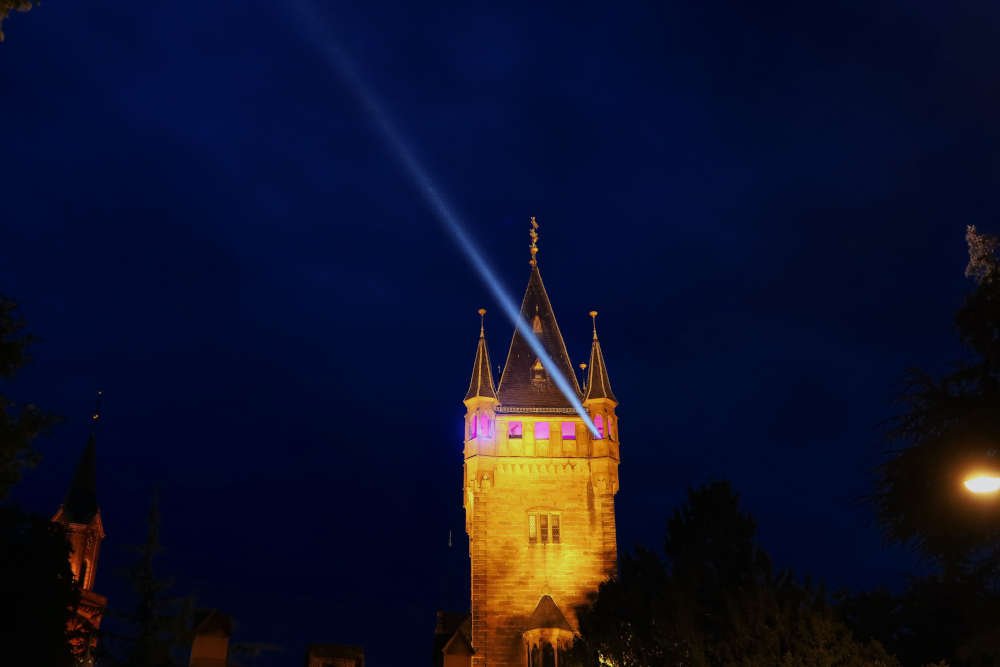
(568, 431)
(599, 423)
(542, 431)
(484, 425)
(472, 427)
(514, 430)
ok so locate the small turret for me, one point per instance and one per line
(598, 398)
(481, 398)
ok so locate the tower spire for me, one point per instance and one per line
(96, 417)
(481, 384)
(598, 382)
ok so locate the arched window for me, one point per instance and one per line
(568, 431)
(514, 430)
(484, 425)
(599, 423)
(472, 427)
(542, 431)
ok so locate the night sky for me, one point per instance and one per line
(766, 205)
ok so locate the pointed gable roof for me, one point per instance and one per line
(80, 505)
(481, 384)
(518, 386)
(547, 615)
(598, 382)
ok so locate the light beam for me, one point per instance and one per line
(317, 33)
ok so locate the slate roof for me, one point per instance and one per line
(80, 505)
(518, 387)
(547, 615)
(481, 383)
(598, 383)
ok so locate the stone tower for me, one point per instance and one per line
(81, 517)
(539, 491)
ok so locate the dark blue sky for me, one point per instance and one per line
(766, 203)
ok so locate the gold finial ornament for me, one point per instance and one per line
(593, 318)
(482, 322)
(97, 408)
(534, 241)
(583, 367)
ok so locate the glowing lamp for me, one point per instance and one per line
(983, 484)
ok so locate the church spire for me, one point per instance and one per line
(80, 505)
(481, 384)
(598, 383)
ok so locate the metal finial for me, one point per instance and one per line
(593, 318)
(533, 248)
(96, 417)
(482, 322)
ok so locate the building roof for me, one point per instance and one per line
(212, 622)
(598, 383)
(520, 385)
(80, 505)
(481, 384)
(547, 615)
(336, 651)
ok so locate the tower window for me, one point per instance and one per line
(472, 426)
(599, 423)
(538, 372)
(544, 527)
(568, 431)
(484, 425)
(514, 430)
(542, 431)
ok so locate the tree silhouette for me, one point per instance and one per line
(35, 575)
(159, 627)
(714, 600)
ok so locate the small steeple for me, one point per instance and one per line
(80, 505)
(598, 383)
(481, 384)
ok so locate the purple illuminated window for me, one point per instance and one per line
(472, 427)
(484, 425)
(542, 431)
(599, 423)
(568, 431)
(514, 430)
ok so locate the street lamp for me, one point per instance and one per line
(981, 483)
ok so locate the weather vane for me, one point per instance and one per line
(534, 241)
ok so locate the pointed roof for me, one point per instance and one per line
(547, 615)
(598, 383)
(481, 384)
(520, 387)
(80, 505)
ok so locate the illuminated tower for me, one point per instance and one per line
(539, 492)
(81, 517)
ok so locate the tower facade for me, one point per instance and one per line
(539, 492)
(81, 517)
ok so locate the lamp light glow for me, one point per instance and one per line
(982, 484)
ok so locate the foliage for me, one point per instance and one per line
(34, 553)
(19, 424)
(36, 578)
(714, 599)
(8, 6)
(949, 427)
(160, 626)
